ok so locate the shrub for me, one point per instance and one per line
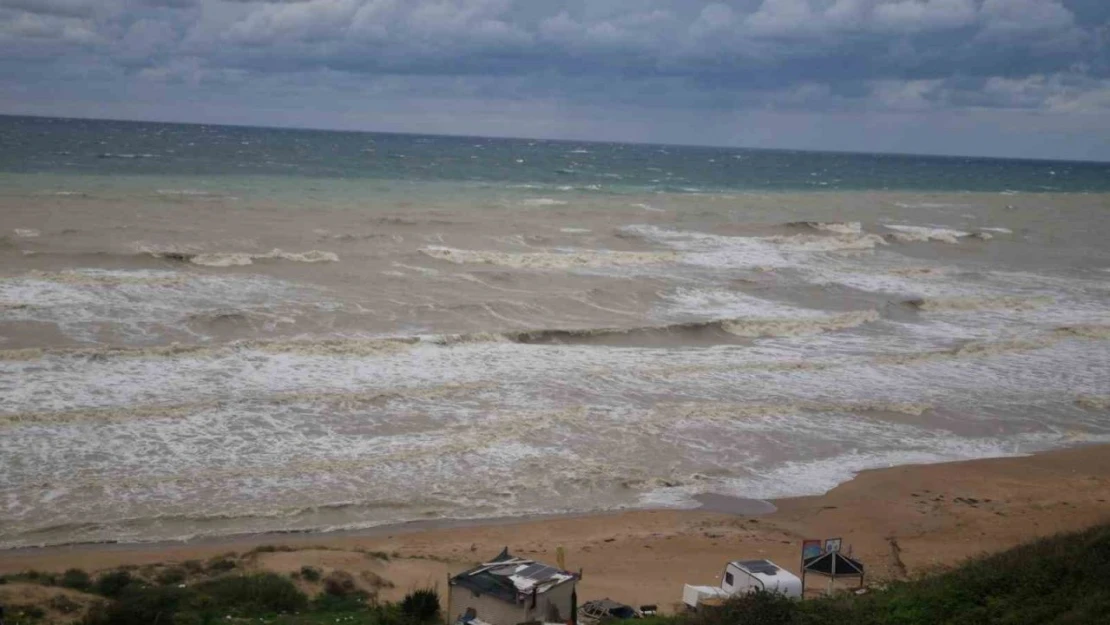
(221, 565)
(765, 608)
(194, 567)
(113, 584)
(310, 574)
(138, 606)
(339, 584)
(353, 602)
(270, 549)
(170, 576)
(64, 604)
(421, 606)
(76, 579)
(31, 612)
(261, 593)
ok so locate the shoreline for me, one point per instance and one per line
(900, 521)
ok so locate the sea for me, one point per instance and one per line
(211, 330)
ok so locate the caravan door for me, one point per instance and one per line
(738, 581)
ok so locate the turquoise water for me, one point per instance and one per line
(48, 145)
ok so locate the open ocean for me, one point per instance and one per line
(211, 330)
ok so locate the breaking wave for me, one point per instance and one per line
(972, 349)
(549, 260)
(819, 243)
(1093, 402)
(914, 234)
(958, 304)
(106, 277)
(342, 400)
(739, 327)
(731, 411)
(1089, 331)
(837, 227)
(331, 347)
(239, 259)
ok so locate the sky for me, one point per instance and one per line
(1019, 78)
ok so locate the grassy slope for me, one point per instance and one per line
(1054, 581)
(1063, 580)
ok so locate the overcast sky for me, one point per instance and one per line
(990, 77)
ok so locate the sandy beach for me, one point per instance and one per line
(899, 521)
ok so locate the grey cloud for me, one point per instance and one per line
(798, 56)
(66, 8)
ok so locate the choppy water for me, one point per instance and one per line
(209, 330)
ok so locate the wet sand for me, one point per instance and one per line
(899, 521)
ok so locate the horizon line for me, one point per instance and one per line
(565, 140)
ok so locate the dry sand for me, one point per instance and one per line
(900, 521)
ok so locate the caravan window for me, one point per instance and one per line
(728, 578)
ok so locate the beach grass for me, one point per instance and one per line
(1056, 580)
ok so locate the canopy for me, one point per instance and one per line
(834, 564)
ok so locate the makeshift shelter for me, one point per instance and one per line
(834, 565)
(508, 591)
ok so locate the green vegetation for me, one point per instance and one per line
(172, 575)
(260, 594)
(76, 579)
(310, 574)
(1063, 580)
(113, 584)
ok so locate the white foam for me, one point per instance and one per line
(142, 304)
(720, 252)
(575, 230)
(999, 229)
(543, 201)
(265, 430)
(27, 233)
(728, 304)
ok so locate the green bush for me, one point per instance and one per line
(76, 579)
(339, 584)
(139, 606)
(114, 583)
(258, 594)
(765, 608)
(221, 565)
(310, 574)
(421, 606)
(352, 602)
(1054, 581)
(171, 576)
(64, 604)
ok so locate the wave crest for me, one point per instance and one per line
(548, 260)
(958, 304)
(838, 227)
(922, 234)
(1093, 402)
(237, 259)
